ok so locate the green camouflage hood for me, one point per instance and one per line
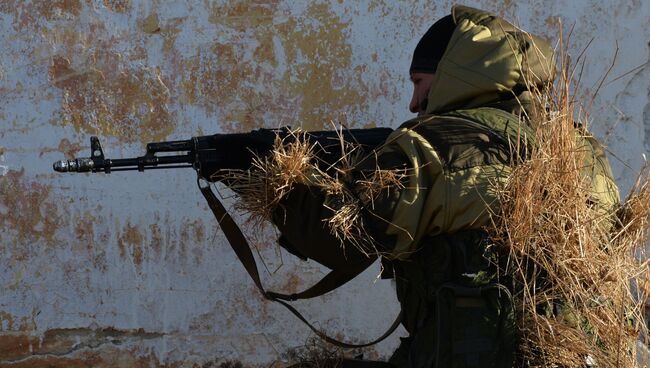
(487, 60)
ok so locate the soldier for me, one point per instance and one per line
(472, 74)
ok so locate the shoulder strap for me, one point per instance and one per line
(331, 281)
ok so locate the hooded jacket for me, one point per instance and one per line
(461, 148)
(458, 152)
(477, 123)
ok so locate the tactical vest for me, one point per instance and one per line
(456, 310)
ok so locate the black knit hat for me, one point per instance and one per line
(432, 45)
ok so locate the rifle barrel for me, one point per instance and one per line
(142, 163)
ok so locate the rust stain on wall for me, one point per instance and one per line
(128, 104)
(250, 302)
(84, 233)
(374, 5)
(316, 86)
(30, 15)
(325, 82)
(212, 78)
(243, 15)
(25, 324)
(6, 321)
(293, 284)
(54, 8)
(70, 150)
(28, 210)
(191, 233)
(15, 283)
(156, 238)
(169, 32)
(150, 24)
(553, 22)
(118, 6)
(28, 323)
(15, 347)
(130, 242)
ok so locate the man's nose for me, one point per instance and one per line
(414, 106)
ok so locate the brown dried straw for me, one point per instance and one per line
(571, 261)
(293, 161)
(315, 353)
(270, 178)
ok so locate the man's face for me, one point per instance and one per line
(421, 86)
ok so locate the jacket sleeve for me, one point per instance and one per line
(430, 201)
(301, 218)
(435, 199)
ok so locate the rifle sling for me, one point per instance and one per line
(331, 281)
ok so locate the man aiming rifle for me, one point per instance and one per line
(472, 76)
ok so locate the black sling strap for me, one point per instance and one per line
(331, 281)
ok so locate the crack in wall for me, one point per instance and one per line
(65, 342)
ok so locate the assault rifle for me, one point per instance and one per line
(210, 154)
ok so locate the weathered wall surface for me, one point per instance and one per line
(130, 269)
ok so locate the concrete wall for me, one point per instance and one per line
(130, 269)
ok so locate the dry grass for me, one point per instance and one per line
(571, 261)
(294, 160)
(271, 177)
(315, 354)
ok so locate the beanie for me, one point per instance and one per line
(432, 46)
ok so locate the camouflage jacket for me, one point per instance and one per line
(432, 228)
(456, 153)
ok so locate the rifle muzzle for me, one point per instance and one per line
(76, 165)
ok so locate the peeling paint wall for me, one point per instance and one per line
(130, 269)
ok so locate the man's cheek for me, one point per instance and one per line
(423, 105)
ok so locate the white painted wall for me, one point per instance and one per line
(90, 261)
